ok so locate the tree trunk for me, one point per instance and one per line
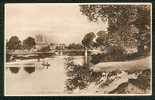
(86, 56)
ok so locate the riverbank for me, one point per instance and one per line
(126, 77)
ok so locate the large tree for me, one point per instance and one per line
(29, 43)
(13, 43)
(88, 40)
(104, 39)
(128, 24)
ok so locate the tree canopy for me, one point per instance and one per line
(88, 40)
(13, 43)
(29, 43)
(74, 46)
(128, 25)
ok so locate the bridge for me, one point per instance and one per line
(53, 51)
(31, 67)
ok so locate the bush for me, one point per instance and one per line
(45, 49)
(143, 80)
(115, 53)
(79, 76)
(74, 53)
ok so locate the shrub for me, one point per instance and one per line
(79, 76)
(113, 53)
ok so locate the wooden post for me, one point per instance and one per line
(86, 56)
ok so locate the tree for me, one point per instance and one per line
(74, 46)
(29, 43)
(88, 40)
(13, 43)
(128, 24)
(45, 49)
(104, 39)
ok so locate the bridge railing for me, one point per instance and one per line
(61, 52)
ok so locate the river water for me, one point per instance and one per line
(43, 81)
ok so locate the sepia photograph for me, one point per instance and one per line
(78, 49)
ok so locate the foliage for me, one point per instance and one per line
(143, 80)
(74, 46)
(114, 53)
(104, 39)
(128, 24)
(13, 43)
(74, 53)
(29, 43)
(78, 75)
(44, 49)
(142, 84)
(88, 40)
(77, 49)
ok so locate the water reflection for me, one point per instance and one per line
(14, 69)
(36, 80)
(29, 69)
(65, 74)
(58, 74)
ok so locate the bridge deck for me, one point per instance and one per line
(52, 51)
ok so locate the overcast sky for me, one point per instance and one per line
(61, 23)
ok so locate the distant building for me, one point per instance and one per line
(57, 46)
(41, 41)
(60, 46)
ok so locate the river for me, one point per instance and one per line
(43, 81)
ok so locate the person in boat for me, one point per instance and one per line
(46, 64)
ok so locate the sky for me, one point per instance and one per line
(59, 23)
